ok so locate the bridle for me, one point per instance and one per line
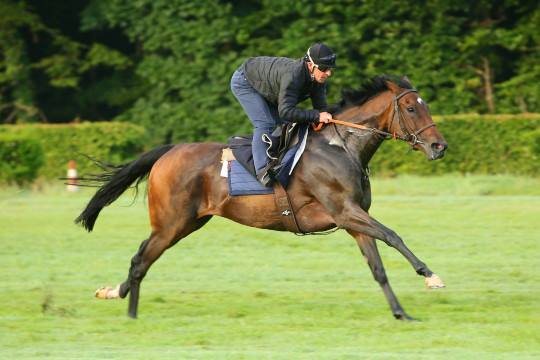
(409, 137)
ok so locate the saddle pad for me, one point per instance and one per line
(241, 182)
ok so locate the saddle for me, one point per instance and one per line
(282, 146)
(283, 138)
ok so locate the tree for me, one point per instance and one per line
(166, 64)
(520, 92)
(35, 58)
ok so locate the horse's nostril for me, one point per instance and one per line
(439, 147)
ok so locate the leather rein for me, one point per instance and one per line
(409, 137)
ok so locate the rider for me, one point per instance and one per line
(270, 88)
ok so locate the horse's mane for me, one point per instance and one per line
(369, 89)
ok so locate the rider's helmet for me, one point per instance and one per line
(321, 56)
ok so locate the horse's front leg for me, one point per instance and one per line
(369, 249)
(355, 219)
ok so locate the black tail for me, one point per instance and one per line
(117, 180)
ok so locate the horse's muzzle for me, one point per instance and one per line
(437, 150)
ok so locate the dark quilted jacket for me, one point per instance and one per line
(286, 82)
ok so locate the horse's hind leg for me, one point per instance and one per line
(369, 249)
(135, 263)
(148, 253)
(122, 290)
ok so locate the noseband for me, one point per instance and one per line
(411, 138)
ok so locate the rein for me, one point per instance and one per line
(411, 138)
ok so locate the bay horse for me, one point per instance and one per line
(330, 187)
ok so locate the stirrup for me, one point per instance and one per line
(265, 178)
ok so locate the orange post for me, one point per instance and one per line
(72, 176)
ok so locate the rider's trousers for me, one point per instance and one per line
(263, 115)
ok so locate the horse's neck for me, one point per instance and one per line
(366, 149)
(362, 142)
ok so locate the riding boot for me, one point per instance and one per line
(260, 158)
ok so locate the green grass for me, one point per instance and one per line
(232, 292)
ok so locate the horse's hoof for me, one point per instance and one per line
(434, 282)
(108, 293)
(404, 317)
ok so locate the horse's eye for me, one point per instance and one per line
(410, 109)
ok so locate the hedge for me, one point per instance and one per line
(499, 144)
(113, 142)
(20, 159)
(507, 144)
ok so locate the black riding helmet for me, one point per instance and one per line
(322, 56)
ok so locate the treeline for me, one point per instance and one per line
(166, 64)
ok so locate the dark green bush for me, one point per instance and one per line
(113, 142)
(476, 144)
(20, 159)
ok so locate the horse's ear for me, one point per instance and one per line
(393, 87)
(406, 79)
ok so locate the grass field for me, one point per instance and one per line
(232, 292)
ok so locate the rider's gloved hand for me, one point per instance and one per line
(325, 117)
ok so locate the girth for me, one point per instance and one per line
(285, 209)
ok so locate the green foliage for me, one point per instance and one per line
(20, 159)
(66, 69)
(447, 49)
(36, 59)
(188, 59)
(16, 87)
(113, 142)
(476, 144)
(166, 64)
(520, 92)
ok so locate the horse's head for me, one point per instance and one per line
(411, 120)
